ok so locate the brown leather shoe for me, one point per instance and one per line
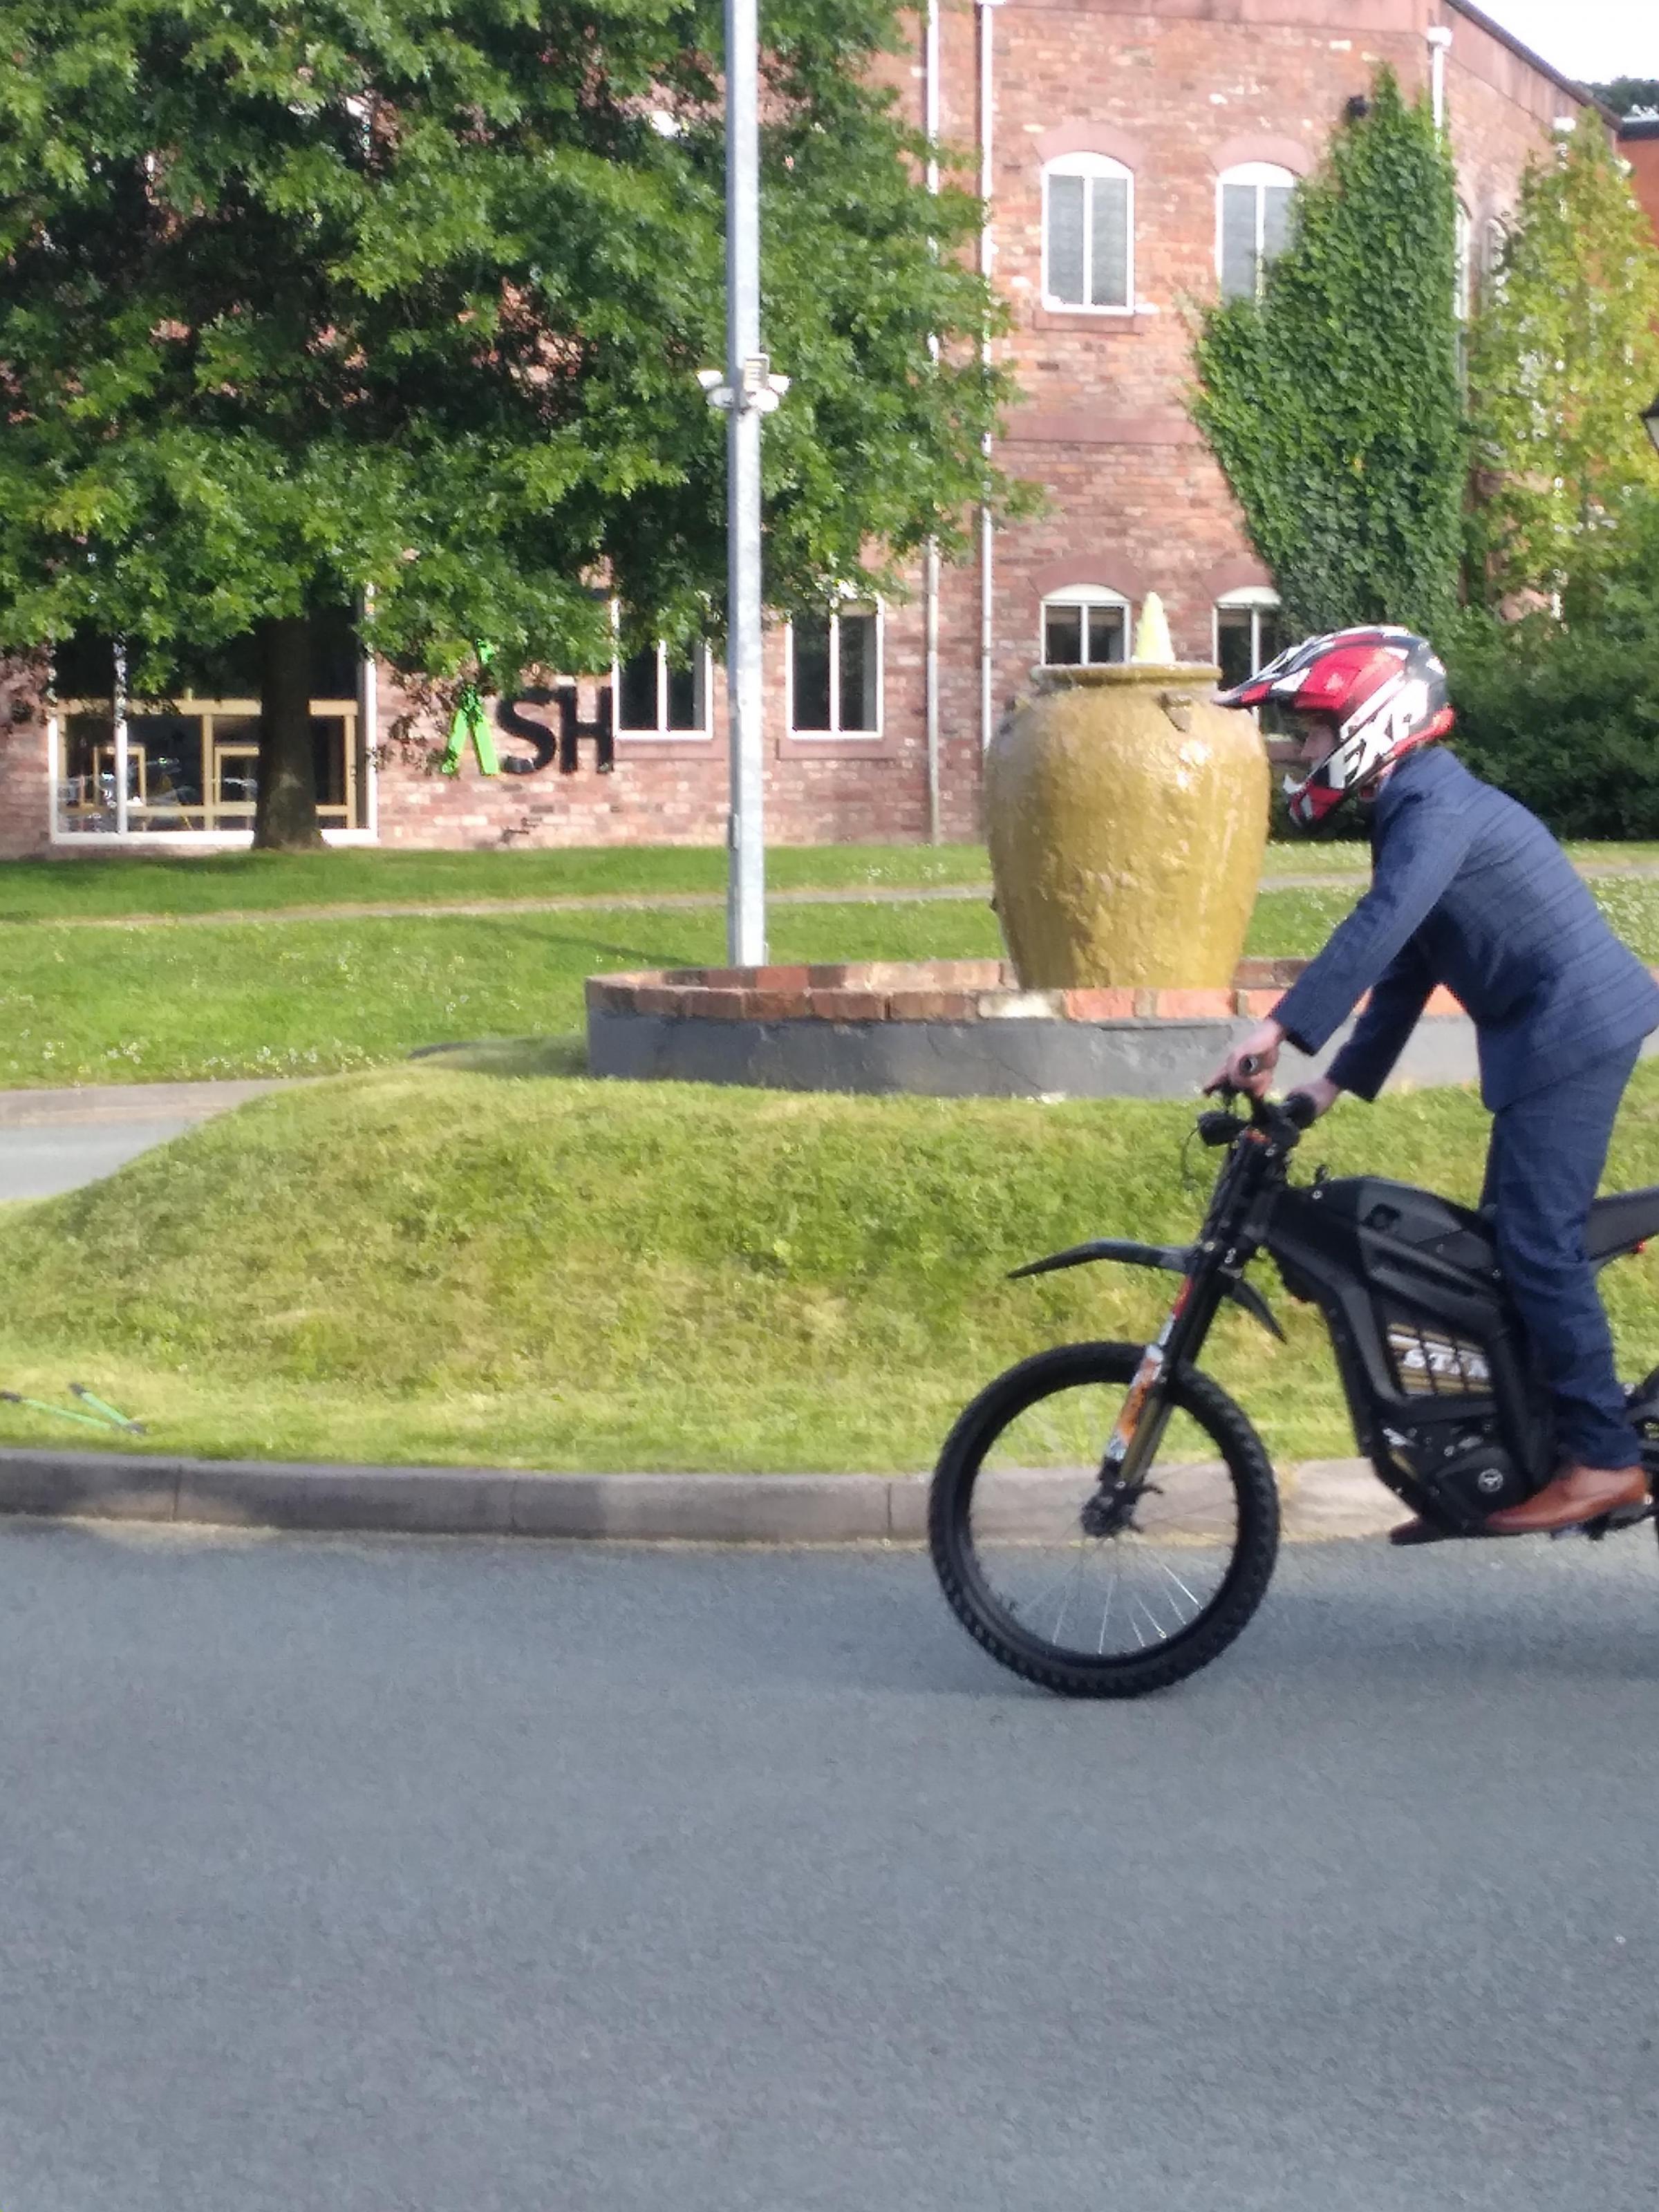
(1578, 1493)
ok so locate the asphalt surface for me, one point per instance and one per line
(56, 1140)
(366, 1875)
(41, 1163)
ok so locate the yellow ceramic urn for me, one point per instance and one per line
(1126, 818)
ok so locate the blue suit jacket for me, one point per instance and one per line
(1471, 890)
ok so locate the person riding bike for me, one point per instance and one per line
(1470, 890)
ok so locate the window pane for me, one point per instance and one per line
(637, 688)
(811, 674)
(684, 695)
(1106, 633)
(1272, 637)
(1238, 242)
(1109, 261)
(1276, 227)
(1062, 637)
(86, 794)
(858, 672)
(1234, 646)
(1066, 239)
(170, 746)
(328, 754)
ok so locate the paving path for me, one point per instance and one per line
(56, 1140)
(398, 1876)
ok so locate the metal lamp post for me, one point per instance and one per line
(1651, 423)
(745, 391)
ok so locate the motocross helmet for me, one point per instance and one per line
(1384, 688)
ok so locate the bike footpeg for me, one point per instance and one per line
(1622, 1516)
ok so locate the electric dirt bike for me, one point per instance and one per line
(1104, 1519)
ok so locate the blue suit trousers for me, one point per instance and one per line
(1548, 1150)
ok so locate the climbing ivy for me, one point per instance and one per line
(1333, 403)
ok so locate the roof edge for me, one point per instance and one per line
(1579, 92)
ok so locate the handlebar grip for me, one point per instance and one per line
(1299, 1109)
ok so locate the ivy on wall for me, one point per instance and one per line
(1333, 403)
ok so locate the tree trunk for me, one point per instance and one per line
(285, 812)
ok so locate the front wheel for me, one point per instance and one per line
(1111, 1615)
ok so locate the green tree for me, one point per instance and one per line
(1628, 95)
(1564, 356)
(1332, 404)
(1565, 714)
(309, 299)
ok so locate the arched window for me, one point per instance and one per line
(1250, 631)
(1088, 234)
(1252, 223)
(1083, 625)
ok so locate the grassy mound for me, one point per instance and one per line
(473, 1264)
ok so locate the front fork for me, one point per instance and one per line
(1144, 1414)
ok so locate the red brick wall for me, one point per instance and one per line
(1642, 154)
(25, 791)
(1176, 88)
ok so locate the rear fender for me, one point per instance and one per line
(1174, 1259)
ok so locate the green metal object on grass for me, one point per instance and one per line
(104, 1417)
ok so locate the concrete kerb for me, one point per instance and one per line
(1323, 1499)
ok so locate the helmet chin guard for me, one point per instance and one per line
(1384, 688)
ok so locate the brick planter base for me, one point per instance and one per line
(955, 1028)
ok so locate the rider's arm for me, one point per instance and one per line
(1363, 1064)
(1419, 852)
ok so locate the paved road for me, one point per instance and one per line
(56, 1140)
(410, 1877)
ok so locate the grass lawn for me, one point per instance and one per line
(99, 886)
(428, 1265)
(274, 998)
(107, 886)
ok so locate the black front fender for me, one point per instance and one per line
(1174, 1259)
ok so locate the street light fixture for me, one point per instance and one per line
(1651, 423)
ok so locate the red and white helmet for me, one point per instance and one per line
(1386, 690)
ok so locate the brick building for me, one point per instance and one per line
(1638, 143)
(1135, 155)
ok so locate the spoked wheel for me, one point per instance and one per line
(1175, 1575)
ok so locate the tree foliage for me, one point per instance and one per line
(1333, 403)
(1628, 95)
(1565, 714)
(1566, 355)
(304, 300)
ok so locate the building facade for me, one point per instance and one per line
(1136, 157)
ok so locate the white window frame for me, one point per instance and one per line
(834, 734)
(703, 674)
(1090, 166)
(1261, 175)
(1256, 599)
(218, 839)
(1084, 595)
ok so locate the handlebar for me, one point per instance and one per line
(1281, 1121)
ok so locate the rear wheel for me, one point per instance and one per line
(1117, 1613)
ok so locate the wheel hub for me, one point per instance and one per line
(1112, 1507)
